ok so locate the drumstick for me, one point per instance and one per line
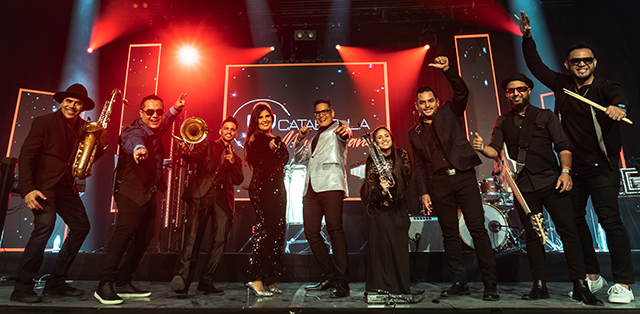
(590, 102)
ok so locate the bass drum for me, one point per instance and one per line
(495, 223)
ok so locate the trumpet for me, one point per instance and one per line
(193, 131)
(382, 166)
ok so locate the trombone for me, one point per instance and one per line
(193, 131)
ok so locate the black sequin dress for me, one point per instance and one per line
(269, 200)
(388, 227)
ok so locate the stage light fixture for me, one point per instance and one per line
(135, 5)
(304, 34)
(89, 50)
(272, 48)
(426, 47)
(188, 55)
(338, 47)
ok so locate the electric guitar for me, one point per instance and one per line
(506, 166)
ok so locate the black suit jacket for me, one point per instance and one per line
(46, 155)
(213, 168)
(447, 122)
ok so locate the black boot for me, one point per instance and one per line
(539, 291)
(582, 293)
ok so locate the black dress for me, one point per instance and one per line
(388, 227)
(269, 200)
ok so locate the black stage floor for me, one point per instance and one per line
(428, 272)
(296, 300)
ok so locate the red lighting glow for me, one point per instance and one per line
(188, 55)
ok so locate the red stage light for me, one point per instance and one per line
(272, 48)
(89, 50)
(426, 47)
(188, 55)
(338, 47)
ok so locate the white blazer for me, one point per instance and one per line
(327, 166)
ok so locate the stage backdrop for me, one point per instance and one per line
(358, 92)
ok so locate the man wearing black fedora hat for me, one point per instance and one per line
(48, 188)
(531, 135)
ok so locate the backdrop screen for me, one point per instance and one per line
(358, 92)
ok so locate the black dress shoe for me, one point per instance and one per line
(209, 290)
(342, 291)
(539, 291)
(490, 292)
(321, 286)
(456, 289)
(582, 293)
(25, 296)
(62, 289)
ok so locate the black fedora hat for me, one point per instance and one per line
(517, 77)
(77, 91)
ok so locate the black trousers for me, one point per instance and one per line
(329, 205)
(602, 185)
(134, 230)
(558, 206)
(197, 219)
(447, 193)
(65, 201)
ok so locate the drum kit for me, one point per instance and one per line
(502, 222)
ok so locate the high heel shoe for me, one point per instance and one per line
(250, 286)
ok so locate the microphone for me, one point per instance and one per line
(278, 140)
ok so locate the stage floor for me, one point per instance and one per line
(296, 300)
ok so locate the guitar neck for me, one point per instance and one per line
(514, 187)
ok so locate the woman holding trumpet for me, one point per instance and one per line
(384, 200)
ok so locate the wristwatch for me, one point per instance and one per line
(567, 171)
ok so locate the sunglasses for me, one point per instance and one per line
(520, 89)
(150, 112)
(577, 61)
(323, 112)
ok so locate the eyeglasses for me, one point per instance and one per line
(520, 89)
(322, 112)
(576, 61)
(150, 112)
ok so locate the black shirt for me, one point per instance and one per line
(541, 164)
(438, 158)
(576, 116)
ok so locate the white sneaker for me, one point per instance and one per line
(594, 285)
(619, 294)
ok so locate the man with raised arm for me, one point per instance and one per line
(444, 165)
(531, 135)
(595, 143)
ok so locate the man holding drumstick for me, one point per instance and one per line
(595, 143)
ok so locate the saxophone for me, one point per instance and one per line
(382, 166)
(85, 156)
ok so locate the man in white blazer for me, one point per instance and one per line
(325, 188)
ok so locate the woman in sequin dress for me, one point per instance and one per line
(266, 155)
(387, 219)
